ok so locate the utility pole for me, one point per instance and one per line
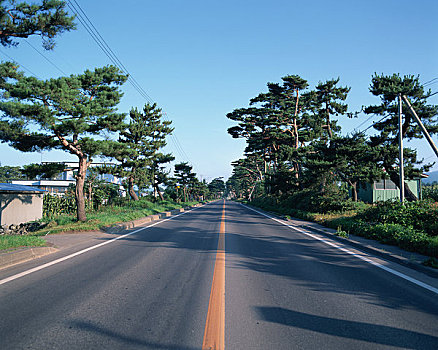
(400, 147)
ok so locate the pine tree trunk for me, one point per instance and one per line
(79, 192)
(354, 191)
(131, 191)
(159, 192)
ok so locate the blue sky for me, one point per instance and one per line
(200, 60)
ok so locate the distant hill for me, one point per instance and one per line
(433, 177)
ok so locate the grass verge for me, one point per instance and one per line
(347, 223)
(9, 242)
(108, 216)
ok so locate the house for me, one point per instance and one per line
(385, 189)
(20, 204)
(60, 183)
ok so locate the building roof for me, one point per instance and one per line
(5, 188)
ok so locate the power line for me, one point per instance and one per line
(386, 116)
(431, 82)
(46, 58)
(11, 58)
(364, 122)
(100, 41)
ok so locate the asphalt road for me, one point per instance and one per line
(152, 290)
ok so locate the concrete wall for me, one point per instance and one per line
(17, 208)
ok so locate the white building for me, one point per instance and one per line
(60, 183)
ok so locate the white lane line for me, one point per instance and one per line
(383, 267)
(57, 261)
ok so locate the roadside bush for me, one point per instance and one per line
(309, 201)
(406, 238)
(56, 205)
(420, 215)
(430, 193)
(412, 226)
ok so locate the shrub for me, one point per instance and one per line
(55, 205)
(430, 193)
(420, 215)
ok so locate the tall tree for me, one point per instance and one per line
(158, 129)
(141, 140)
(387, 88)
(23, 19)
(159, 173)
(184, 177)
(217, 187)
(67, 113)
(350, 158)
(247, 174)
(326, 102)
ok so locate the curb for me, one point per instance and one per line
(21, 255)
(415, 265)
(381, 253)
(134, 223)
(8, 259)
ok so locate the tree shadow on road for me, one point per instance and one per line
(378, 334)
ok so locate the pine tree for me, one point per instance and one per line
(64, 113)
(387, 89)
(140, 142)
(350, 158)
(326, 101)
(185, 177)
(22, 19)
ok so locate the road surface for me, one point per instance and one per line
(220, 276)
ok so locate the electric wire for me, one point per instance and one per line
(14, 60)
(364, 122)
(386, 116)
(46, 58)
(431, 82)
(100, 41)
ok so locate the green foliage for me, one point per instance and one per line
(406, 238)
(21, 20)
(341, 233)
(420, 215)
(126, 210)
(100, 192)
(70, 113)
(56, 205)
(139, 156)
(42, 171)
(216, 187)
(17, 241)
(431, 262)
(363, 224)
(430, 193)
(9, 173)
(385, 141)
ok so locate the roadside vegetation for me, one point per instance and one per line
(108, 215)
(412, 226)
(298, 163)
(10, 242)
(79, 115)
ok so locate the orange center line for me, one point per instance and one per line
(214, 334)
